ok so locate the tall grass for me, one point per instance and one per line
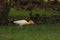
(25, 14)
(18, 13)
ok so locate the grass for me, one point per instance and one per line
(18, 13)
(31, 32)
(25, 14)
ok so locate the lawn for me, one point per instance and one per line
(30, 32)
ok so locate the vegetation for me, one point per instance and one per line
(23, 13)
(18, 13)
(31, 32)
(45, 16)
(27, 5)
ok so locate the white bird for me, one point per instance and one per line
(23, 22)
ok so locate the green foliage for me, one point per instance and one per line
(48, 12)
(18, 13)
(14, 13)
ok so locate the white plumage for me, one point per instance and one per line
(23, 22)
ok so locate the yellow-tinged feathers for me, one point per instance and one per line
(23, 22)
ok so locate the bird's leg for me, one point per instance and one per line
(21, 28)
(18, 28)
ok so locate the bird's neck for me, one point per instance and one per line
(28, 23)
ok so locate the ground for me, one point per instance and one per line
(30, 32)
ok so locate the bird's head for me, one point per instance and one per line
(30, 22)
